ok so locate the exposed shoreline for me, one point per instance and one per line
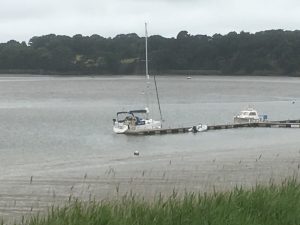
(147, 177)
(164, 73)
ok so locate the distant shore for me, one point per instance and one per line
(157, 73)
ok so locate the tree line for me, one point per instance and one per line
(266, 52)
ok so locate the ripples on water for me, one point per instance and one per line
(56, 136)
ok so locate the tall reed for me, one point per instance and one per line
(261, 205)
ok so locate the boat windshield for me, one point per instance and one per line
(121, 116)
(248, 113)
(139, 115)
(245, 113)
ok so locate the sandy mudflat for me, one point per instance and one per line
(147, 176)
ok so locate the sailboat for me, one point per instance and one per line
(137, 119)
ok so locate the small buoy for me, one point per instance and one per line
(293, 102)
(136, 153)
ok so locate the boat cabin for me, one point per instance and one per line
(137, 117)
(249, 113)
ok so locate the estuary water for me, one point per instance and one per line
(56, 137)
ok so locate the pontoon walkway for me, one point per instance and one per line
(270, 124)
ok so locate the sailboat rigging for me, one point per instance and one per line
(157, 97)
(138, 120)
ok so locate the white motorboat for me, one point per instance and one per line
(198, 128)
(138, 120)
(248, 115)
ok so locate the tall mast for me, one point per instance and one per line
(146, 48)
(148, 77)
(158, 102)
(147, 72)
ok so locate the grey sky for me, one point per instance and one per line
(22, 19)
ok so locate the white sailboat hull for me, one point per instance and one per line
(121, 128)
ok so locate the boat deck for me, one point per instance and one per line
(269, 124)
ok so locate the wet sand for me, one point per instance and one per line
(147, 176)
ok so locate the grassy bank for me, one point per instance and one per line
(274, 204)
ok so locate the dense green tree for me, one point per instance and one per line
(265, 52)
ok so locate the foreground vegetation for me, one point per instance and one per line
(263, 53)
(271, 205)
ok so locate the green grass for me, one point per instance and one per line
(261, 205)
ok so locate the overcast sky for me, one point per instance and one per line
(22, 19)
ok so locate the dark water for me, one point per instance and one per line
(56, 133)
